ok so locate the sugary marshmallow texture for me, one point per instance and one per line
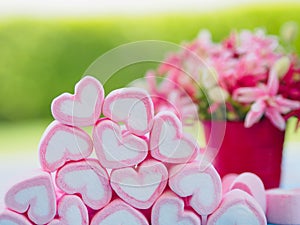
(136, 168)
(84, 107)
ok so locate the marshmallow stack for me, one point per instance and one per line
(136, 168)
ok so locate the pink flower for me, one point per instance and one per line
(169, 96)
(266, 100)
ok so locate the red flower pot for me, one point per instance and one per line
(257, 149)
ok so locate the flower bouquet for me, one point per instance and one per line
(248, 82)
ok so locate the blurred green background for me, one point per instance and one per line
(42, 57)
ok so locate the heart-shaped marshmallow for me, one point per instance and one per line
(36, 196)
(203, 186)
(119, 213)
(61, 143)
(12, 218)
(71, 211)
(117, 150)
(283, 206)
(133, 106)
(84, 107)
(142, 186)
(167, 141)
(169, 210)
(253, 185)
(238, 208)
(88, 179)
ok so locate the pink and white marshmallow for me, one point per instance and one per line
(227, 181)
(36, 196)
(253, 185)
(283, 206)
(116, 150)
(202, 186)
(84, 107)
(168, 143)
(238, 208)
(132, 106)
(11, 218)
(88, 179)
(140, 187)
(60, 144)
(169, 210)
(71, 211)
(119, 213)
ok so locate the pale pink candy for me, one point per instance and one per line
(84, 107)
(140, 187)
(119, 213)
(202, 186)
(61, 143)
(227, 180)
(168, 143)
(169, 210)
(117, 150)
(11, 218)
(283, 206)
(132, 106)
(71, 211)
(88, 179)
(253, 185)
(35, 196)
(238, 208)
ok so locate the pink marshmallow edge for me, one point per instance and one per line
(99, 171)
(179, 172)
(170, 198)
(13, 217)
(123, 138)
(155, 136)
(253, 185)
(45, 180)
(130, 93)
(64, 204)
(283, 206)
(144, 169)
(233, 198)
(73, 119)
(115, 206)
(54, 127)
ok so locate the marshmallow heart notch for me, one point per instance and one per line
(35, 196)
(140, 187)
(203, 187)
(167, 141)
(238, 208)
(116, 150)
(169, 210)
(253, 185)
(11, 218)
(119, 213)
(60, 144)
(133, 107)
(71, 211)
(88, 179)
(84, 107)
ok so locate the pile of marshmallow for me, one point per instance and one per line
(137, 169)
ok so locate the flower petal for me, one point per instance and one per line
(248, 95)
(286, 105)
(273, 82)
(256, 112)
(276, 118)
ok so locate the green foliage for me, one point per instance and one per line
(41, 58)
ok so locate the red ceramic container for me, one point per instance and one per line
(257, 149)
